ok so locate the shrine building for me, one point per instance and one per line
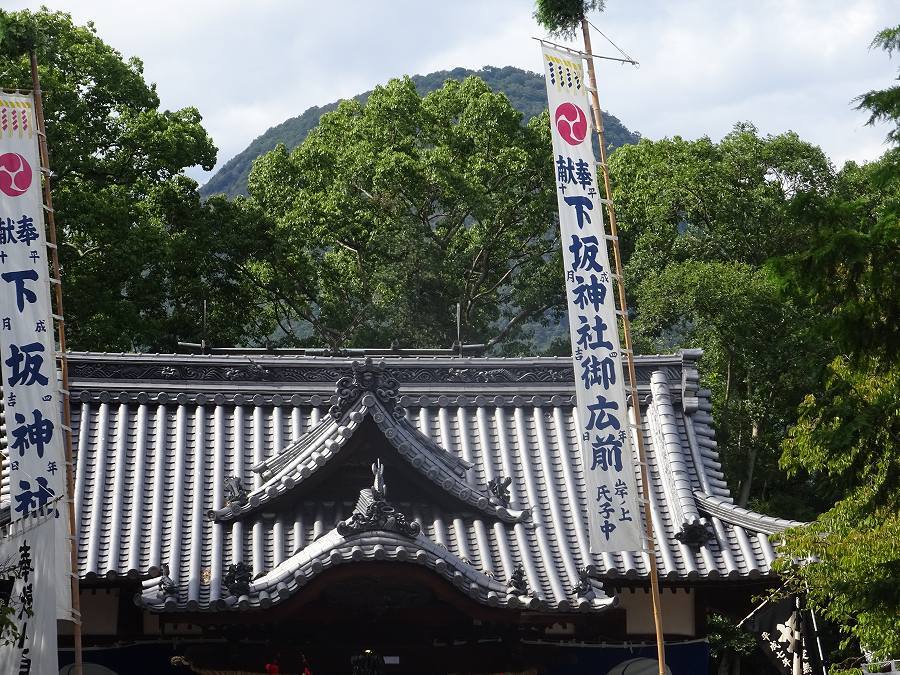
(426, 511)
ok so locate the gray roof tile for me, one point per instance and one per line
(153, 452)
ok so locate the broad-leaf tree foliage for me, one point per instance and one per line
(393, 212)
(130, 225)
(525, 90)
(848, 433)
(698, 221)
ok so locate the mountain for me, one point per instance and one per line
(524, 89)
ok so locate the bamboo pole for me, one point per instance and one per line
(626, 329)
(63, 360)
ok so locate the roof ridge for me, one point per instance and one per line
(738, 515)
(662, 422)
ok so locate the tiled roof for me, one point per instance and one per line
(158, 435)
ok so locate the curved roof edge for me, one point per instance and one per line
(730, 512)
(330, 550)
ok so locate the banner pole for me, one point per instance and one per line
(63, 360)
(626, 329)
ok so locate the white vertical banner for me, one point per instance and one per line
(28, 558)
(27, 349)
(609, 460)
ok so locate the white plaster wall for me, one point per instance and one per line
(677, 611)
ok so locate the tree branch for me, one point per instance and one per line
(515, 321)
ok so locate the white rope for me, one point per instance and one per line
(619, 49)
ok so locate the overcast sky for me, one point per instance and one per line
(704, 64)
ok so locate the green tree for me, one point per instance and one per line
(681, 200)
(848, 433)
(125, 213)
(698, 220)
(525, 90)
(755, 362)
(728, 642)
(9, 627)
(884, 104)
(563, 17)
(392, 212)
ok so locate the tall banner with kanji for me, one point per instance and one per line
(28, 560)
(606, 444)
(27, 349)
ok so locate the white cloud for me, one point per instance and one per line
(705, 64)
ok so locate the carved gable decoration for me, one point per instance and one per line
(374, 512)
(371, 378)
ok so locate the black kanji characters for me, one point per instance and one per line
(607, 453)
(24, 568)
(37, 434)
(27, 232)
(28, 500)
(606, 510)
(573, 173)
(601, 418)
(598, 371)
(565, 170)
(25, 363)
(23, 294)
(584, 254)
(583, 174)
(582, 206)
(590, 334)
(591, 291)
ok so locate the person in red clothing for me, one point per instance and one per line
(304, 665)
(273, 667)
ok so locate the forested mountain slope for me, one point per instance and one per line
(524, 89)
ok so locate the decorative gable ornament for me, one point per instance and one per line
(234, 491)
(517, 583)
(584, 588)
(371, 378)
(374, 512)
(499, 488)
(166, 587)
(695, 535)
(237, 579)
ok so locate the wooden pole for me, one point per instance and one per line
(626, 329)
(56, 280)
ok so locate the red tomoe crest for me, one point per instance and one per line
(571, 123)
(15, 174)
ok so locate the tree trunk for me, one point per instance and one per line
(725, 664)
(744, 495)
(727, 385)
